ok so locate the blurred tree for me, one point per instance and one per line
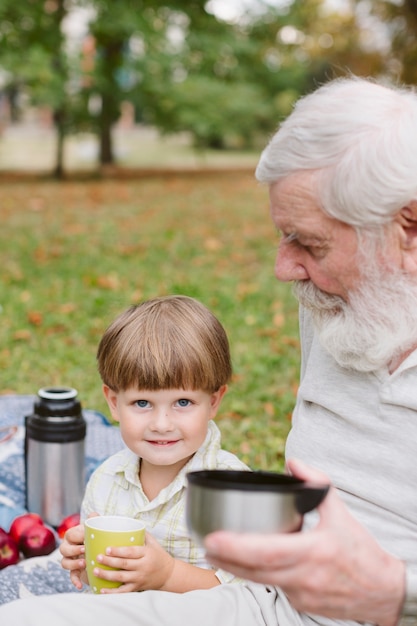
(227, 82)
(33, 54)
(106, 81)
(207, 87)
(134, 44)
(395, 21)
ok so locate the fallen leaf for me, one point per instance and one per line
(25, 296)
(22, 335)
(213, 244)
(111, 281)
(68, 307)
(279, 320)
(245, 447)
(35, 318)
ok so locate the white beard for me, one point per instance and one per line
(378, 324)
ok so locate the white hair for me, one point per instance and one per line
(360, 140)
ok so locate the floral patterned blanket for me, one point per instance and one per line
(39, 575)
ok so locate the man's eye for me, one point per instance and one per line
(142, 404)
(183, 402)
(317, 252)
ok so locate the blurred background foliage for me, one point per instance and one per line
(226, 77)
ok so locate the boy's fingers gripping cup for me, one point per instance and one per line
(109, 531)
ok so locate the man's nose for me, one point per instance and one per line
(288, 263)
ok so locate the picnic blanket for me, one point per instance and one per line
(39, 575)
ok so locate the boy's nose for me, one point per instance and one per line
(161, 420)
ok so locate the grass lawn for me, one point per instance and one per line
(76, 253)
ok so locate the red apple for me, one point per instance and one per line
(37, 540)
(9, 552)
(68, 522)
(21, 523)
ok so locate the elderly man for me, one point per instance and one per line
(342, 171)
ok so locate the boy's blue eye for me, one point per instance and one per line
(142, 404)
(183, 402)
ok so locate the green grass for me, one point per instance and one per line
(74, 254)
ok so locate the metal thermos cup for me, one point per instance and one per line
(55, 454)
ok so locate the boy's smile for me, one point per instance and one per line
(162, 443)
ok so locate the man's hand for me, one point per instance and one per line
(337, 569)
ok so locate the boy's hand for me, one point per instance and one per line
(72, 550)
(139, 567)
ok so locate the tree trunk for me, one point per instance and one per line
(106, 143)
(59, 113)
(112, 59)
(59, 160)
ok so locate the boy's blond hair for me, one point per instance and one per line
(171, 342)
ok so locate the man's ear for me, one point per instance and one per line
(407, 221)
(111, 397)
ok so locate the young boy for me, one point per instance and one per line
(165, 365)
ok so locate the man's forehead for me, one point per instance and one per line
(295, 209)
(300, 220)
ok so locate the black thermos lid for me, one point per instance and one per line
(57, 416)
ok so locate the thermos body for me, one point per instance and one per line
(55, 485)
(55, 455)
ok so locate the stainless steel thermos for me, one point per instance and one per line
(55, 454)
